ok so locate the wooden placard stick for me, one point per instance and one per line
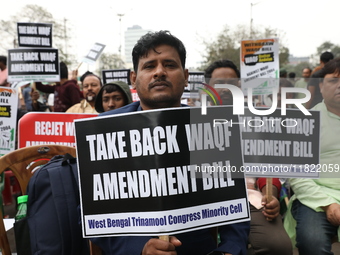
(269, 189)
(79, 65)
(164, 238)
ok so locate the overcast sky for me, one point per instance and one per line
(306, 24)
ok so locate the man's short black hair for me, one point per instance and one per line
(151, 40)
(63, 71)
(88, 73)
(218, 64)
(326, 56)
(332, 66)
(3, 59)
(291, 75)
(84, 75)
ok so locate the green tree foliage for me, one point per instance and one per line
(227, 44)
(328, 46)
(36, 14)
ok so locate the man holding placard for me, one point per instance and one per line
(267, 235)
(313, 216)
(66, 92)
(160, 77)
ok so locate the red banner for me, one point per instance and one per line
(37, 128)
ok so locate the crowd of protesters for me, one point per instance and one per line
(314, 211)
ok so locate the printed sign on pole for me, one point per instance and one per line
(94, 53)
(8, 119)
(195, 80)
(281, 146)
(116, 75)
(34, 35)
(260, 65)
(35, 64)
(174, 172)
(191, 93)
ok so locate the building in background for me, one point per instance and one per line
(132, 35)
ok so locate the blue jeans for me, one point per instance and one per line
(314, 232)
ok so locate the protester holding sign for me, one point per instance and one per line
(66, 92)
(313, 216)
(160, 78)
(91, 87)
(267, 235)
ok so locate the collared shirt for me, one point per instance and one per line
(82, 107)
(316, 193)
